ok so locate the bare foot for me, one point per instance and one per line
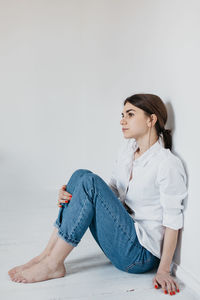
(30, 263)
(44, 270)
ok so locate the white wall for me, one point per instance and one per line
(65, 69)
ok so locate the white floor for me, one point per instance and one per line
(26, 225)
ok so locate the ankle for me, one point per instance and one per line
(54, 261)
(45, 253)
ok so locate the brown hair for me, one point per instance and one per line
(152, 104)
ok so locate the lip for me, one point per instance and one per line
(123, 129)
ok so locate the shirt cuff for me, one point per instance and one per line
(173, 219)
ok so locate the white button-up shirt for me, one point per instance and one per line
(155, 193)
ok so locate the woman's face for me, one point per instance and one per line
(134, 121)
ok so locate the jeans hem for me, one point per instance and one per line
(55, 224)
(65, 238)
(63, 235)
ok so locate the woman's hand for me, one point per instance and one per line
(64, 196)
(166, 281)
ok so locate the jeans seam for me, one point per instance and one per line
(114, 218)
(69, 237)
(138, 263)
(79, 219)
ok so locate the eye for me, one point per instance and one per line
(129, 114)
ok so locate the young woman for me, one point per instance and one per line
(135, 218)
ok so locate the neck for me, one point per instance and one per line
(144, 143)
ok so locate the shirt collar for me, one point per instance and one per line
(145, 157)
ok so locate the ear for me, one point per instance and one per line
(152, 120)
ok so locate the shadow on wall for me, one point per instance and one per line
(171, 125)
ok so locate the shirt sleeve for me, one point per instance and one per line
(173, 190)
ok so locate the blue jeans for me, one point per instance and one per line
(96, 206)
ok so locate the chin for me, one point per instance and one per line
(127, 136)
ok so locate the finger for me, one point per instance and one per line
(65, 197)
(164, 287)
(173, 288)
(63, 201)
(60, 202)
(64, 187)
(177, 286)
(60, 193)
(169, 288)
(67, 194)
(155, 283)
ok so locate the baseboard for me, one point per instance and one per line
(187, 277)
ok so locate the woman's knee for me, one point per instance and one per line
(81, 172)
(75, 179)
(89, 179)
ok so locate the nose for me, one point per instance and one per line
(123, 121)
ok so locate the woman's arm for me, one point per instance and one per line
(171, 179)
(169, 246)
(163, 276)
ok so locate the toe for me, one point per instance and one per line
(21, 277)
(15, 277)
(12, 272)
(18, 277)
(24, 281)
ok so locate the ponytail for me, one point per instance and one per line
(167, 137)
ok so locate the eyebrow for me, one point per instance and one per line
(129, 110)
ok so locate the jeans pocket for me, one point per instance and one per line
(142, 267)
